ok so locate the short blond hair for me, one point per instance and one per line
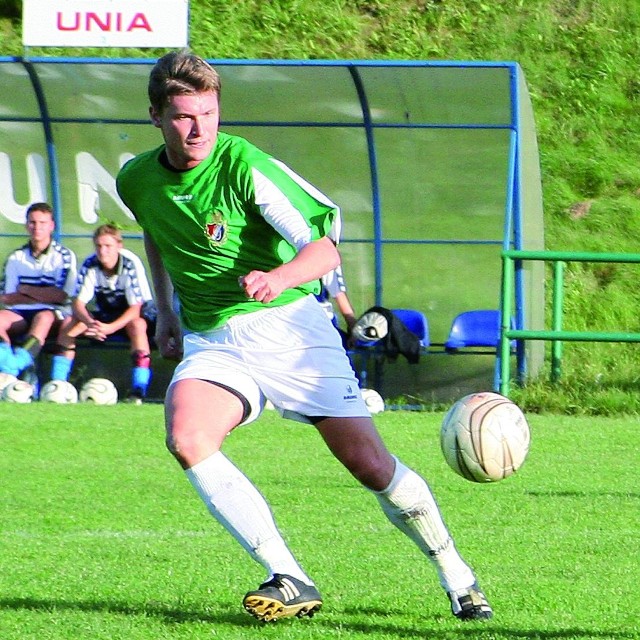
(108, 230)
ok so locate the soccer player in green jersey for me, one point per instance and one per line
(243, 241)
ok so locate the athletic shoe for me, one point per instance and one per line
(470, 604)
(282, 597)
(135, 397)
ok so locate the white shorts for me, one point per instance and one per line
(291, 355)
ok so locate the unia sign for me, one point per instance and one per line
(105, 23)
(108, 21)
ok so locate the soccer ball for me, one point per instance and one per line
(370, 327)
(373, 400)
(485, 437)
(19, 391)
(59, 391)
(99, 391)
(6, 379)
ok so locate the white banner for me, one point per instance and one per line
(105, 23)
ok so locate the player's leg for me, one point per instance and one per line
(199, 415)
(11, 323)
(65, 349)
(356, 443)
(323, 388)
(136, 331)
(41, 323)
(14, 324)
(407, 501)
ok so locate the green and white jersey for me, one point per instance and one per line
(238, 210)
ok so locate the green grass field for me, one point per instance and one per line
(103, 538)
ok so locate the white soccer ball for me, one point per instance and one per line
(6, 379)
(370, 327)
(59, 391)
(485, 437)
(99, 391)
(373, 400)
(19, 391)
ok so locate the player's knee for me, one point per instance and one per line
(184, 447)
(46, 316)
(171, 444)
(373, 471)
(137, 326)
(190, 444)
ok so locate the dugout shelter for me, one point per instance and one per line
(434, 164)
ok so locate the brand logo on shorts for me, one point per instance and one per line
(215, 229)
(350, 395)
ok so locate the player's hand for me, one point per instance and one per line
(262, 286)
(169, 336)
(97, 331)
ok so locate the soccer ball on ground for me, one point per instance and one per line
(6, 379)
(485, 437)
(59, 391)
(19, 391)
(373, 400)
(99, 391)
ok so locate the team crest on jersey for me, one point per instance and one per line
(215, 229)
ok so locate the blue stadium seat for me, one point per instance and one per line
(477, 328)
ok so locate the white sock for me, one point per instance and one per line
(242, 510)
(410, 506)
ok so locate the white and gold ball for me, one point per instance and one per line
(485, 437)
(373, 400)
(99, 391)
(59, 391)
(19, 391)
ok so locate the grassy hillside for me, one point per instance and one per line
(579, 58)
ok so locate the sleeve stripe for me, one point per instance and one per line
(279, 212)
